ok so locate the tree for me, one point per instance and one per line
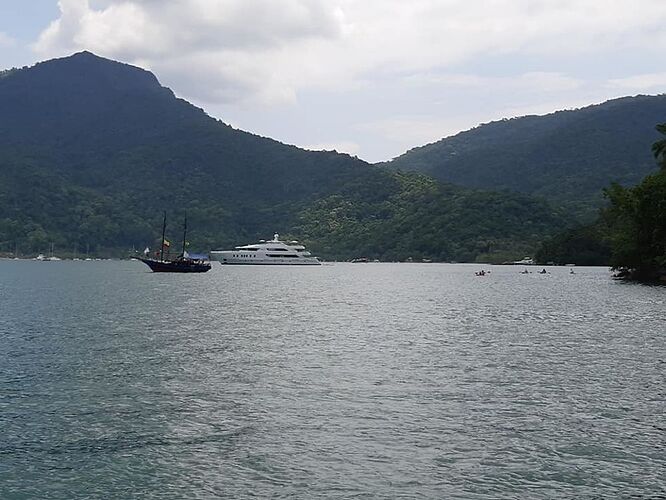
(659, 147)
(637, 221)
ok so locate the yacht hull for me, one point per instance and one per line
(227, 260)
(269, 263)
(182, 266)
(266, 253)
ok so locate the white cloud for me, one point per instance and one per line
(219, 51)
(6, 41)
(447, 118)
(270, 50)
(542, 80)
(417, 130)
(409, 71)
(649, 82)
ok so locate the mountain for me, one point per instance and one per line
(92, 151)
(567, 157)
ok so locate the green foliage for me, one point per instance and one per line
(6, 72)
(92, 151)
(637, 218)
(567, 157)
(424, 219)
(659, 147)
(630, 234)
(584, 246)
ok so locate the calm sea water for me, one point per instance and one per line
(341, 381)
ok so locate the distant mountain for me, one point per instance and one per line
(567, 156)
(92, 151)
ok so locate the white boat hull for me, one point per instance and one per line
(267, 253)
(228, 258)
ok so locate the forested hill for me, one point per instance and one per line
(92, 151)
(567, 156)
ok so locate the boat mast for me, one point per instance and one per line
(184, 233)
(163, 231)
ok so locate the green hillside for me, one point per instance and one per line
(629, 234)
(567, 157)
(92, 151)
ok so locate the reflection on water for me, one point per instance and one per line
(374, 380)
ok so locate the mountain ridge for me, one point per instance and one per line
(567, 156)
(90, 157)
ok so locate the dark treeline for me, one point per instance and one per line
(92, 151)
(567, 157)
(629, 235)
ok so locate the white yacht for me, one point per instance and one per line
(267, 252)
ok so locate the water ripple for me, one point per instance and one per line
(346, 381)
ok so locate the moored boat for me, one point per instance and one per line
(184, 263)
(273, 252)
(179, 265)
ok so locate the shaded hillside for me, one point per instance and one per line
(92, 151)
(425, 219)
(630, 233)
(568, 156)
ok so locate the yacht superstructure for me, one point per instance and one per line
(274, 252)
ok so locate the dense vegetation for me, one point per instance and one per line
(424, 219)
(92, 151)
(585, 245)
(630, 233)
(567, 157)
(637, 223)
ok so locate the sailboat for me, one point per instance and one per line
(181, 264)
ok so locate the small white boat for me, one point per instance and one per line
(273, 252)
(527, 261)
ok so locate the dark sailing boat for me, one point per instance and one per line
(181, 264)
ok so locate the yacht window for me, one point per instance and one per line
(278, 249)
(281, 255)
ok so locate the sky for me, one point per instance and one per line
(372, 78)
